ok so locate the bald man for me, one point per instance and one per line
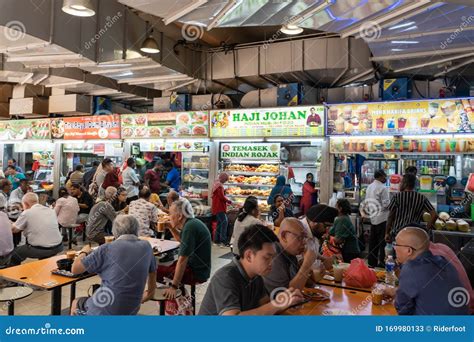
(40, 227)
(428, 284)
(286, 270)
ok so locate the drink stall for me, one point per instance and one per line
(257, 145)
(178, 136)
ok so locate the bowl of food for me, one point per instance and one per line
(64, 264)
(316, 294)
(184, 131)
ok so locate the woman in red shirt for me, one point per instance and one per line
(310, 194)
(219, 209)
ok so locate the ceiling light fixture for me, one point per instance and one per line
(79, 8)
(291, 30)
(150, 45)
(405, 42)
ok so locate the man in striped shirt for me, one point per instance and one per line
(407, 207)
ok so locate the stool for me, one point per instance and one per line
(160, 297)
(70, 233)
(193, 294)
(10, 294)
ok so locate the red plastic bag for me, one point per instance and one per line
(181, 306)
(359, 275)
(470, 183)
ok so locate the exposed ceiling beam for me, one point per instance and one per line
(125, 68)
(63, 84)
(448, 70)
(183, 11)
(219, 16)
(420, 54)
(378, 20)
(310, 11)
(420, 34)
(26, 78)
(182, 85)
(438, 61)
(40, 58)
(358, 76)
(154, 79)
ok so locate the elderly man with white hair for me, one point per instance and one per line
(40, 227)
(125, 266)
(100, 214)
(194, 261)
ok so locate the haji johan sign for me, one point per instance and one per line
(250, 151)
(268, 122)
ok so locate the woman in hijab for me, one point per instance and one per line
(282, 189)
(310, 194)
(219, 209)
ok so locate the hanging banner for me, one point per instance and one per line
(250, 151)
(86, 127)
(404, 117)
(268, 122)
(165, 125)
(389, 144)
(25, 129)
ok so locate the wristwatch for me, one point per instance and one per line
(82, 252)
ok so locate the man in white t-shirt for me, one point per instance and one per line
(6, 237)
(40, 227)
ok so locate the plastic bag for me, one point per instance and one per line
(470, 183)
(359, 275)
(180, 306)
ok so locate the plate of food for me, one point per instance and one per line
(199, 130)
(183, 131)
(169, 131)
(57, 128)
(128, 120)
(316, 294)
(127, 132)
(155, 132)
(141, 132)
(140, 120)
(183, 119)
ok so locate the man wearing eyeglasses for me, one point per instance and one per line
(427, 281)
(286, 271)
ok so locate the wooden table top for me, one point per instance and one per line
(38, 274)
(355, 302)
(162, 246)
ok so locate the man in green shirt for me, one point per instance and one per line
(194, 261)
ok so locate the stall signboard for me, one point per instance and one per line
(165, 125)
(402, 145)
(86, 127)
(172, 146)
(25, 129)
(268, 122)
(250, 151)
(404, 117)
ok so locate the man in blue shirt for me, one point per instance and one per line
(124, 267)
(428, 284)
(173, 179)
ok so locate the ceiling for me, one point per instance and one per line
(415, 38)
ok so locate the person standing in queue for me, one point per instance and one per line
(310, 194)
(131, 181)
(219, 209)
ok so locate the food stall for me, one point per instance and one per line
(85, 139)
(257, 145)
(29, 142)
(178, 136)
(436, 136)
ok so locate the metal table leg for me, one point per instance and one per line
(73, 293)
(11, 308)
(56, 301)
(69, 229)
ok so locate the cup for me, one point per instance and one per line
(397, 145)
(161, 226)
(402, 123)
(452, 145)
(424, 145)
(71, 255)
(425, 122)
(380, 124)
(461, 144)
(377, 296)
(388, 145)
(414, 145)
(406, 145)
(391, 124)
(109, 239)
(433, 109)
(434, 145)
(442, 145)
(338, 273)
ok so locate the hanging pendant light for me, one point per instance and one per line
(79, 8)
(149, 45)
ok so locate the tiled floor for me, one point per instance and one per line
(39, 303)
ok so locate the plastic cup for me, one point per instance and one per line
(338, 273)
(377, 296)
(71, 255)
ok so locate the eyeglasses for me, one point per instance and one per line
(394, 244)
(298, 237)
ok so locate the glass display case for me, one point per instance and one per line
(195, 176)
